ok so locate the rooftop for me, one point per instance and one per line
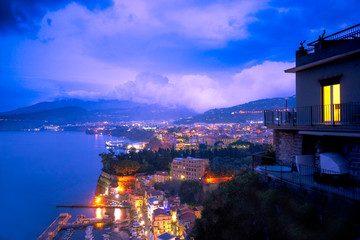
(189, 158)
(152, 200)
(159, 211)
(165, 236)
(339, 45)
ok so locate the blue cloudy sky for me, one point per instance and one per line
(201, 54)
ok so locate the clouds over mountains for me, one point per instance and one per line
(200, 54)
(201, 92)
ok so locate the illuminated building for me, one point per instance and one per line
(161, 221)
(153, 203)
(327, 114)
(161, 177)
(125, 183)
(188, 168)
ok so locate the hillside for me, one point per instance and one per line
(251, 111)
(70, 111)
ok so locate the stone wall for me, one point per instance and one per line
(354, 158)
(103, 182)
(287, 144)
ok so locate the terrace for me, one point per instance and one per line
(344, 116)
(307, 177)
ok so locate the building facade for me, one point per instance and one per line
(161, 177)
(161, 222)
(188, 168)
(326, 119)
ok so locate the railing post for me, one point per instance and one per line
(311, 122)
(332, 110)
(278, 117)
(300, 167)
(293, 116)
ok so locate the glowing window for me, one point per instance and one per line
(331, 103)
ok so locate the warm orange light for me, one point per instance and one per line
(97, 200)
(99, 213)
(117, 214)
(99, 225)
(217, 179)
(173, 217)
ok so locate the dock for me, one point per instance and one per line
(92, 206)
(55, 227)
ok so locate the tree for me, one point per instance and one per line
(127, 167)
(191, 192)
(107, 158)
(246, 208)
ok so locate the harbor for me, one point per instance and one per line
(109, 223)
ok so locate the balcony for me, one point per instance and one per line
(307, 177)
(345, 116)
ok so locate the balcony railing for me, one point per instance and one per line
(346, 34)
(345, 114)
(309, 177)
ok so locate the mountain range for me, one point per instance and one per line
(67, 111)
(251, 111)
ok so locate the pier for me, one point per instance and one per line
(55, 227)
(92, 206)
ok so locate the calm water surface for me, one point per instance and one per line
(39, 170)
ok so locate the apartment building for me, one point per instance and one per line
(188, 168)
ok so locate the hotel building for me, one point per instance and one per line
(188, 168)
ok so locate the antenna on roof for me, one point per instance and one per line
(302, 45)
(322, 36)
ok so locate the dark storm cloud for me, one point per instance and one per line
(24, 16)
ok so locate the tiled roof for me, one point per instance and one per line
(162, 173)
(188, 217)
(165, 236)
(159, 211)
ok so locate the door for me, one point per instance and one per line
(331, 103)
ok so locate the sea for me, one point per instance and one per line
(39, 170)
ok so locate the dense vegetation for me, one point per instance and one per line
(246, 208)
(190, 192)
(222, 160)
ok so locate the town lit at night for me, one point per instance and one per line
(180, 120)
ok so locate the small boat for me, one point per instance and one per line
(117, 143)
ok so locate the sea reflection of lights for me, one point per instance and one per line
(99, 213)
(117, 214)
(99, 225)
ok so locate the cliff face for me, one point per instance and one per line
(104, 181)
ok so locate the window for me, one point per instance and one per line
(331, 103)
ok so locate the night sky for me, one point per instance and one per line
(201, 54)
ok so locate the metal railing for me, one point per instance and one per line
(347, 114)
(346, 34)
(310, 177)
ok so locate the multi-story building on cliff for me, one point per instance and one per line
(188, 168)
(323, 131)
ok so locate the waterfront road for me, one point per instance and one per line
(143, 211)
